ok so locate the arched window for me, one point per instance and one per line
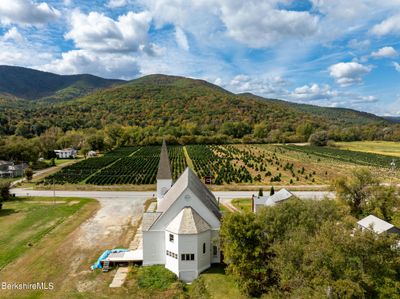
(204, 247)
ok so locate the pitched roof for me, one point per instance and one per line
(148, 219)
(187, 222)
(375, 224)
(281, 195)
(164, 168)
(189, 179)
(271, 200)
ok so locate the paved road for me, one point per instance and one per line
(142, 195)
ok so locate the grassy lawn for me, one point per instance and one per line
(37, 244)
(61, 161)
(23, 223)
(243, 204)
(377, 147)
(215, 284)
(7, 180)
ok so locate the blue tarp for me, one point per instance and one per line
(105, 254)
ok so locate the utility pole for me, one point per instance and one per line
(393, 168)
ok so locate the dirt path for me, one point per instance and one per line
(228, 204)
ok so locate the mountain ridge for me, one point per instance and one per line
(176, 105)
(31, 84)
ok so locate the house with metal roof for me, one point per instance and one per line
(67, 153)
(183, 232)
(271, 200)
(377, 225)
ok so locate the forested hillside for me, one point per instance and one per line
(177, 106)
(31, 84)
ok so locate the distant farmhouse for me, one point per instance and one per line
(270, 200)
(377, 225)
(183, 233)
(66, 153)
(91, 154)
(12, 170)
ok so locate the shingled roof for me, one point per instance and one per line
(164, 168)
(148, 220)
(188, 222)
(189, 179)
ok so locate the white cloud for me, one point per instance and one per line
(396, 66)
(385, 52)
(258, 24)
(388, 26)
(313, 92)
(347, 73)
(359, 44)
(97, 32)
(268, 86)
(109, 65)
(324, 95)
(26, 12)
(13, 35)
(181, 39)
(343, 10)
(117, 3)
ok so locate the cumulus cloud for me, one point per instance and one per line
(26, 12)
(181, 39)
(396, 66)
(347, 73)
(324, 95)
(97, 32)
(258, 24)
(313, 92)
(385, 52)
(389, 26)
(105, 65)
(269, 86)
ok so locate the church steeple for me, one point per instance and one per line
(164, 176)
(164, 168)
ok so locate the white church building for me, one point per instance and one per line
(183, 233)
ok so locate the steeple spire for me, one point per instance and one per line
(164, 176)
(164, 168)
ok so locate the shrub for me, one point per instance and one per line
(4, 192)
(155, 277)
(319, 138)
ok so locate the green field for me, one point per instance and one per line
(377, 147)
(233, 165)
(24, 222)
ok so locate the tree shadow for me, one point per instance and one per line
(6, 212)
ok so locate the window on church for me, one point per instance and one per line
(204, 248)
(171, 254)
(215, 250)
(187, 257)
(171, 238)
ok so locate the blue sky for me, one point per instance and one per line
(332, 53)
